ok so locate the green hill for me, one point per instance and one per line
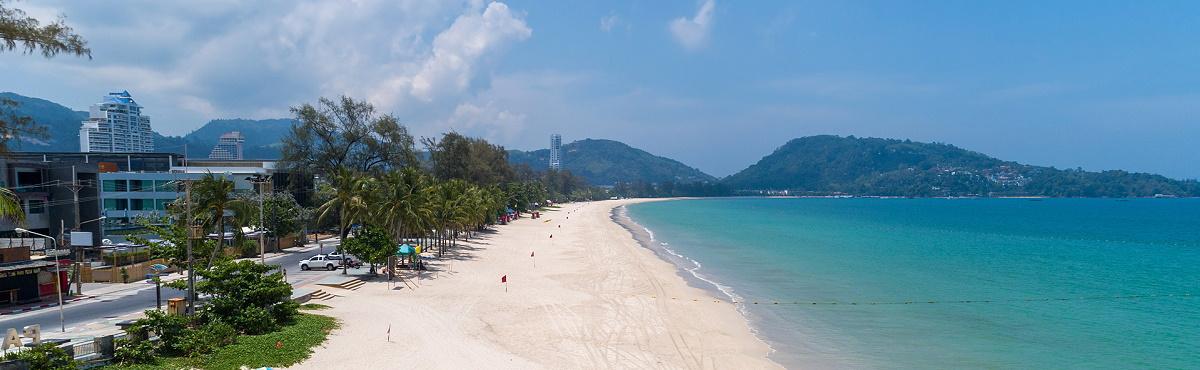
(872, 166)
(606, 162)
(62, 124)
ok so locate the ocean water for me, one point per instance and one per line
(1018, 284)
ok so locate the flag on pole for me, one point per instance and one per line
(504, 279)
(530, 254)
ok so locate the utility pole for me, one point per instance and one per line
(75, 187)
(260, 180)
(191, 308)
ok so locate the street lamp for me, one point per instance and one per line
(259, 179)
(57, 280)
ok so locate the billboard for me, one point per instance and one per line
(81, 239)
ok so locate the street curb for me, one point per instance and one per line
(41, 306)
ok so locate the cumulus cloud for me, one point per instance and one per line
(457, 49)
(189, 64)
(692, 33)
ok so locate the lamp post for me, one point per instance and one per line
(57, 280)
(259, 179)
(79, 258)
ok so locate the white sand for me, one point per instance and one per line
(591, 297)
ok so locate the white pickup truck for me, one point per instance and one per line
(319, 260)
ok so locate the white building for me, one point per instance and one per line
(229, 146)
(556, 152)
(116, 125)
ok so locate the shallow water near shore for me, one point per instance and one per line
(1055, 283)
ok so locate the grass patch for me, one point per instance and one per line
(256, 351)
(314, 306)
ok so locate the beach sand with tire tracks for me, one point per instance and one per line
(589, 297)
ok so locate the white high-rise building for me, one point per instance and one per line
(229, 146)
(556, 152)
(116, 125)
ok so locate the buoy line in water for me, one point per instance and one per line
(963, 301)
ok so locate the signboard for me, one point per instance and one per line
(107, 166)
(81, 239)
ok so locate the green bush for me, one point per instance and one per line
(247, 295)
(208, 338)
(45, 356)
(135, 351)
(170, 330)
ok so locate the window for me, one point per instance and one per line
(141, 185)
(116, 204)
(162, 204)
(164, 185)
(37, 206)
(115, 185)
(141, 204)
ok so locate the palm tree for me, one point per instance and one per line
(405, 205)
(352, 194)
(213, 195)
(10, 206)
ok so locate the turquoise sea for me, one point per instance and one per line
(1019, 283)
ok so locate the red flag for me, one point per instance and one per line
(504, 279)
(531, 254)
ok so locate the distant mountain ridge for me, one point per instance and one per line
(262, 136)
(870, 166)
(606, 162)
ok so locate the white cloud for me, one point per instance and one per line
(188, 64)
(692, 33)
(608, 22)
(457, 50)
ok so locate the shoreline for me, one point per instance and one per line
(592, 297)
(646, 238)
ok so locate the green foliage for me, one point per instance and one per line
(132, 352)
(247, 296)
(870, 166)
(44, 356)
(345, 133)
(255, 351)
(18, 29)
(314, 306)
(171, 242)
(170, 330)
(372, 244)
(208, 338)
(469, 159)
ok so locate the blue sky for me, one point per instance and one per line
(715, 84)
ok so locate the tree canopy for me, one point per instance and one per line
(19, 30)
(345, 133)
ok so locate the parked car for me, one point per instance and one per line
(343, 259)
(319, 260)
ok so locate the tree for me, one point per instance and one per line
(172, 239)
(405, 204)
(283, 215)
(213, 196)
(247, 296)
(473, 160)
(18, 29)
(372, 244)
(10, 206)
(351, 195)
(345, 134)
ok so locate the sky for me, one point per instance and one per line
(716, 84)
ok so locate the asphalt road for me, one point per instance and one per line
(110, 306)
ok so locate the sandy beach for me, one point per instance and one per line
(588, 297)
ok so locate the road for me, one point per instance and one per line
(123, 303)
